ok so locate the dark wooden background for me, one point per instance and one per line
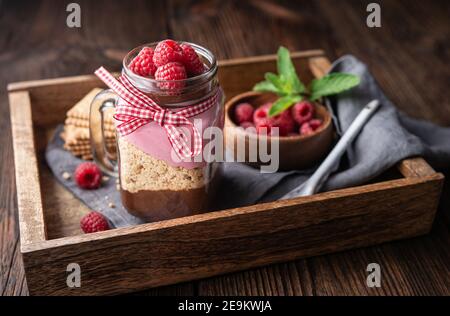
(409, 55)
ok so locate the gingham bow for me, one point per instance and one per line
(138, 110)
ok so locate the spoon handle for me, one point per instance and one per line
(315, 182)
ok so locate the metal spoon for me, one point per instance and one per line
(315, 182)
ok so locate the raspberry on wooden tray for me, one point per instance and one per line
(94, 222)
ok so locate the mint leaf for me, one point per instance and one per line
(266, 86)
(280, 82)
(275, 80)
(333, 83)
(286, 70)
(283, 103)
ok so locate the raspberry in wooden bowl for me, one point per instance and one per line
(305, 132)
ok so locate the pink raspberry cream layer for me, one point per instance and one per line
(152, 138)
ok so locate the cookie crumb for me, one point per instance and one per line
(66, 175)
(105, 178)
(111, 205)
(118, 187)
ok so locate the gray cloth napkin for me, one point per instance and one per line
(60, 160)
(387, 138)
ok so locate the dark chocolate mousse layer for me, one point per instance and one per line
(165, 204)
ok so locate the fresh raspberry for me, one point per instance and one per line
(143, 64)
(315, 123)
(171, 71)
(243, 113)
(167, 51)
(191, 61)
(261, 113)
(88, 175)
(302, 112)
(94, 222)
(284, 122)
(306, 129)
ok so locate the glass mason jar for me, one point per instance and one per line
(154, 184)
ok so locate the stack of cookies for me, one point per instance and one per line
(76, 128)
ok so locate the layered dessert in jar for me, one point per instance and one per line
(157, 182)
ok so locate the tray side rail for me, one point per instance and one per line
(29, 200)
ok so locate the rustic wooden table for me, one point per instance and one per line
(409, 55)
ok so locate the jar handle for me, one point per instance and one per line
(102, 154)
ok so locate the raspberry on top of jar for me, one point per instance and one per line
(169, 61)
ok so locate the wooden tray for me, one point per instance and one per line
(401, 204)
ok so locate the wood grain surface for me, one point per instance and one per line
(168, 252)
(409, 59)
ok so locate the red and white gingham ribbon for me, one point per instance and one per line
(138, 110)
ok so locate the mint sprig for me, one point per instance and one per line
(288, 86)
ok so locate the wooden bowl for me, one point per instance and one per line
(295, 152)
